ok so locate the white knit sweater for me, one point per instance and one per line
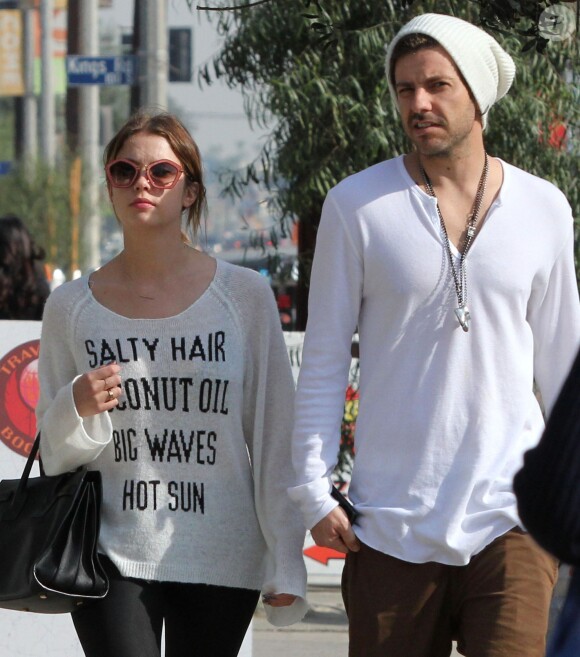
(444, 416)
(195, 459)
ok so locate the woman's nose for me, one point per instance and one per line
(142, 180)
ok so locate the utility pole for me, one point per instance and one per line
(47, 104)
(26, 106)
(29, 104)
(150, 34)
(89, 101)
(82, 119)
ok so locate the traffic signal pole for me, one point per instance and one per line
(150, 34)
(82, 117)
(47, 100)
(89, 103)
(29, 124)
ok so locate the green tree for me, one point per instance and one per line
(6, 129)
(41, 197)
(313, 72)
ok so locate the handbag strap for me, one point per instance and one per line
(27, 470)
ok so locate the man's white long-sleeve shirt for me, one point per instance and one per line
(444, 416)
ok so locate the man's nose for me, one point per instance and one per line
(421, 101)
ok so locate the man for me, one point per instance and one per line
(457, 268)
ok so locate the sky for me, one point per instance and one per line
(216, 114)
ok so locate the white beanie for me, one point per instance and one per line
(484, 64)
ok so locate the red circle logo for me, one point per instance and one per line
(18, 397)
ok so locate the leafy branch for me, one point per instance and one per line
(247, 5)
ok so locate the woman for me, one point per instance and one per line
(23, 284)
(167, 371)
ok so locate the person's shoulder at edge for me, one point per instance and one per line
(386, 173)
(69, 292)
(534, 187)
(230, 273)
(378, 183)
(247, 289)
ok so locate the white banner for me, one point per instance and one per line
(21, 634)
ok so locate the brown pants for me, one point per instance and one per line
(496, 606)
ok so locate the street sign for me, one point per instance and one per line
(119, 70)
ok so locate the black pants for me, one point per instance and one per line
(200, 620)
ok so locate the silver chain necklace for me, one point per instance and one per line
(460, 275)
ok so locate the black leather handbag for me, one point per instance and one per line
(49, 528)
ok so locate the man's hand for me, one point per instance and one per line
(335, 531)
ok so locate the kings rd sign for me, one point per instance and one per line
(83, 70)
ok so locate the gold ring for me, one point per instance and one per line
(110, 393)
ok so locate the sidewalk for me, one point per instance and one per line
(323, 632)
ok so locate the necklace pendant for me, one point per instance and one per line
(463, 317)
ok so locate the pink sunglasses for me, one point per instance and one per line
(162, 174)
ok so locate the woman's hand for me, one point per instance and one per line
(98, 390)
(278, 599)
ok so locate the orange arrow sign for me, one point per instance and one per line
(323, 554)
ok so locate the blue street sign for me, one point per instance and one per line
(5, 167)
(81, 69)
